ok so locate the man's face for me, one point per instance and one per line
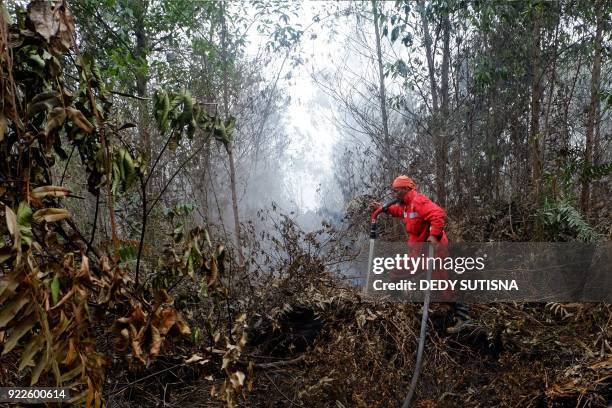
(400, 192)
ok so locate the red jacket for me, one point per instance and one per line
(421, 216)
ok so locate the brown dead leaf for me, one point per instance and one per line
(64, 39)
(167, 320)
(53, 191)
(237, 379)
(71, 353)
(40, 14)
(3, 126)
(54, 22)
(156, 342)
(182, 327)
(11, 223)
(136, 345)
(8, 283)
(6, 253)
(196, 359)
(55, 120)
(51, 214)
(84, 271)
(77, 117)
(10, 310)
(138, 316)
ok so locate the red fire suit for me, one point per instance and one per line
(422, 218)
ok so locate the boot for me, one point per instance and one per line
(461, 319)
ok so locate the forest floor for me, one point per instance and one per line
(315, 342)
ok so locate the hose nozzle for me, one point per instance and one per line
(384, 208)
(376, 213)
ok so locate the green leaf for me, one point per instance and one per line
(394, 34)
(128, 169)
(196, 336)
(161, 105)
(24, 222)
(55, 290)
(128, 253)
(178, 233)
(116, 177)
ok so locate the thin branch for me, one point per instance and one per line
(127, 95)
(66, 166)
(175, 174)
(281, 393)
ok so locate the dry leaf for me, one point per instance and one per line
(196, 359)
(54, 22)
(53, 191)
(51, 214)
(40, 14)
(156, 342)
(77, 117)
(3, 126)
(237, 379)
(168, 319)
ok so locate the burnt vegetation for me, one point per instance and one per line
(115, 286)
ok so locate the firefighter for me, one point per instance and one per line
(424, 221)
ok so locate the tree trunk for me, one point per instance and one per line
(442, 140)
(536, 96)
(230, 155)
(439, 114)
(229, 145)
(430, 58)
(592, 110)
(141, 52)
(392, 167)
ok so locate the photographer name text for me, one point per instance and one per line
(447, 284)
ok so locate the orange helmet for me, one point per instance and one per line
(403, 181)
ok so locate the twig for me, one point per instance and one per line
(95, 223)
(90, 247)
(281, 363)
(66, 166)
(140, 98)
(281, 393)
(144, 378)
(198, 150)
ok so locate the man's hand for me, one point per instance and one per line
(375, 205)
(435, 241)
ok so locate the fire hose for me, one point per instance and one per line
(423, 333)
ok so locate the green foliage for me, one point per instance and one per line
(117, 24)
(179, 210)
(224, 130)
(178, 111)
(562, 219)
(566, 179)
(606, 97)
(24, 223)
(124, 171)
(50, 280)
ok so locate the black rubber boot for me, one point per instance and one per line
(461, 319)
